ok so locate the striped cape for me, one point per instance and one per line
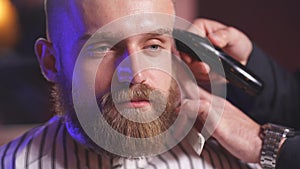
(51, 147)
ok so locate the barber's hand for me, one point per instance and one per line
(229, 39)
(235, 131)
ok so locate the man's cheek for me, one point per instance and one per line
(162, 81)
(103, 78)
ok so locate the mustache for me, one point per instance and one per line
(137, 92)
(134, 93)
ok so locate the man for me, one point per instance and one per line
(65, 143)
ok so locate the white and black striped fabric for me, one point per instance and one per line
(51, 147)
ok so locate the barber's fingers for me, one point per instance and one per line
(207, 107)
(195, 108)
(204, 27)
(223, 37)
(187, 116)
(200, 69)
(233, 42)
(229, 39)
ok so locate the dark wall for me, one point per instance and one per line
(272, 24)
(25, 96)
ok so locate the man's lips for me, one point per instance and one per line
(135, 104)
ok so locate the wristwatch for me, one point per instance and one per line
(272, 135)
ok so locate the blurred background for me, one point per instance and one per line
(24, 94)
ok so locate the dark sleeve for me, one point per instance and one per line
(280, 98)
(289, 155)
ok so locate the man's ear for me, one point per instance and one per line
(47, 59)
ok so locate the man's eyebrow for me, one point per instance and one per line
(102, 35)
(117, 36)
(161, 31)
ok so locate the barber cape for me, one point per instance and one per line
(51, 147)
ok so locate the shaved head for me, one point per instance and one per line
(71, 15)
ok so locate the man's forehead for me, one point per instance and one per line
(125, 7)
(80, 17)
(111, 9)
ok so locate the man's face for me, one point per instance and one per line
(81, 19)
(123, 81)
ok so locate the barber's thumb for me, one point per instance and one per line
(218, 38)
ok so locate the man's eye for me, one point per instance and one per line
(102, 49)
(154, 47)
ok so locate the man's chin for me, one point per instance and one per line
(100, 139)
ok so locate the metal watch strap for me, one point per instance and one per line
(272, 135)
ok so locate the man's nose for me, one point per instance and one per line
(129, 68)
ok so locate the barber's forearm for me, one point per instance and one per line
(239, 134)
